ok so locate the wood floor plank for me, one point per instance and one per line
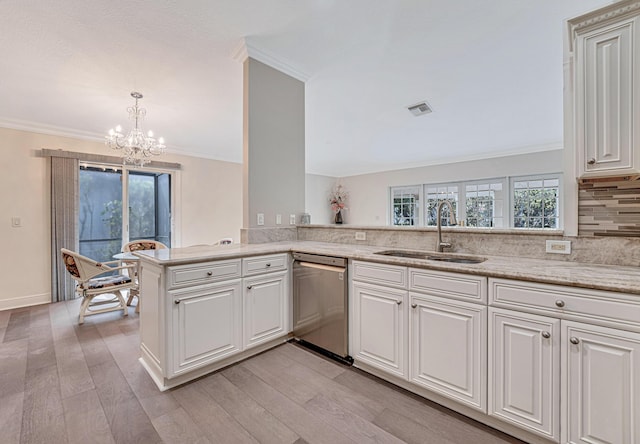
(297, 419)
(312, 360)
(85, 419)
(42, 416)
(262, 425)
(361, 430)
(41, 349)
(13, 366)
(127, 419)
(72, 368)
(18, 326)
(177, 427)
(408, 430)
(4, 318)
(218, 425)
(94, 349)
(442, 422)
(363, 406)
(11, 417)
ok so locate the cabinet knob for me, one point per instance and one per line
(177, 301)
(574, 340)
(399, 301)
(209, 273)
(268, 264)
(560, 303)
(546, 334)
(249, 287)
(591, 161)
(414, 305)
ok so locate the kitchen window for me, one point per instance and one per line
(405, 207)
(518, 202)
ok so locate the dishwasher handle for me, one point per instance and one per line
(320, 266)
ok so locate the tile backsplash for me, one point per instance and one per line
(609, 208)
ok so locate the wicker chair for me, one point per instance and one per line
(86, 273)
(138, 245)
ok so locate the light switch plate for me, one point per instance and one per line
(16, 222)
(260, 218)
(292, 219)
(278, 219)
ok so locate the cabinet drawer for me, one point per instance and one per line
(263, 264)
(203, 273)
(453, 285)
(390, 275)
(567, 302)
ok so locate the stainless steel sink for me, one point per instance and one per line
(441, 257)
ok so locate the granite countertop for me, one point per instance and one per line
(594, 276)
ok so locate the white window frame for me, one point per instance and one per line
(548, 176)
(507, 185)
(420, 221)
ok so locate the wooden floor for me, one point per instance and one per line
(61, 382)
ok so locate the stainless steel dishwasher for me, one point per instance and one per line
(320, 303)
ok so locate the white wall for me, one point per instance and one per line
(273, 141)
(317, 198)
(369, 193)
(209, 207)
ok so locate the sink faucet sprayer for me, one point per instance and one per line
(440, 246)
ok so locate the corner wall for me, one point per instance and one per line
(209, 207)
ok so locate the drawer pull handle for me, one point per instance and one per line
(574, 340)
(591, 161)
(414, 305)
(560, 303)
(546, 334)
(177, 301)
(209, 273)
(399, 301)
(268, 264)
(249, 287)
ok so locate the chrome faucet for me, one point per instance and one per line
(440, 246)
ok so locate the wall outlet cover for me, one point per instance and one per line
(558, 247)
(260, 218)
(292, 219)
(361, 235)
(278, 219)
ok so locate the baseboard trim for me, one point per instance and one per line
(25, 301)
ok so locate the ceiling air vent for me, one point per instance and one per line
(420, 108)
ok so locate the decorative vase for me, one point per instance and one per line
(338, 218)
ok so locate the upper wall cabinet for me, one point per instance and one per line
(604, 50)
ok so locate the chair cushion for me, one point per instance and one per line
(70, 263)
(107, 281)
(142, 246)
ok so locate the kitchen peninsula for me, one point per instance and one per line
(504, 341)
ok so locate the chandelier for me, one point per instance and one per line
(136, 148)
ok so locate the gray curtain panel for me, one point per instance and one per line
(64, 223)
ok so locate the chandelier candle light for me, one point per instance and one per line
(136, 148)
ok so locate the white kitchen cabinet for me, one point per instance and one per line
(601, 384)
(605, 51)
(524, 371)
(379, 327)
(266, 308)
(449, 348)
(206, 324)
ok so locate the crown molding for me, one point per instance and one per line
(247, 49)
(609, 12)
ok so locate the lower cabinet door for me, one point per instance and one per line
(379, 327)
(524, 371)
(266, 308)
(206, 324)
(601, 384)
(449, 348)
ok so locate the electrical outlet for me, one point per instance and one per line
(278, 219)
(292, 219)
(260, 218)
(361, 235)
(558, 247)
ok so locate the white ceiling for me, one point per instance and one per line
(490, 69)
